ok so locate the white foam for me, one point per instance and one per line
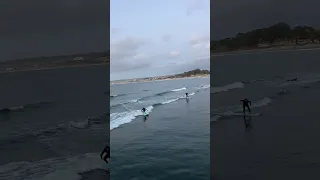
(170, 101)
(16, 108)
(303, 79)
(214, 118)
(237, 110)
(191, 94)
(133, 101)
(80, 124)
(260, 103)
(118, 119)
(263, 102)
(204, 87)
(52, 169)
(228, 87)
(180, 89)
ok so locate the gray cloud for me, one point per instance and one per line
(61, 26)
(126, 47)
(228, 17)
(199, 41)
(173, 54)
(125, 56)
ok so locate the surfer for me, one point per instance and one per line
(143, 110)
(187, 95)
(295, 79)
(5, 110)
(246, 103)
(107, 151)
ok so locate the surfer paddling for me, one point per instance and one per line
(246, 104)
(107, 151)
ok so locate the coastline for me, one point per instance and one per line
(271, 49)
(168, 79)
(50, 68)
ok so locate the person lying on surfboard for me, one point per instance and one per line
(107, 151)
(246, 103)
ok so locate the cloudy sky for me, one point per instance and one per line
(232, 16)
(42, 27)
(158, 37)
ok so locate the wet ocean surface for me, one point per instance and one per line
(53, 123)
(172, 142)
(268, 80)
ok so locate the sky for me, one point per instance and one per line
(47, 28)
(158, 37)
(232, 16)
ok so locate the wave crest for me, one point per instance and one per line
(228, 87)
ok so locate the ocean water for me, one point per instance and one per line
(172, 142)
(260, 77)
(53, 123)
(264, 78)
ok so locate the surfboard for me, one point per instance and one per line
(146, 113)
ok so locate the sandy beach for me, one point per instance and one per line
(170, 79)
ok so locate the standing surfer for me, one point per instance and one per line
(107, 151)
(246, 104)
(143, 110)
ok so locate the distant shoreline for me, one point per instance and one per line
(52, 68)
(168, 79)
(272, 49)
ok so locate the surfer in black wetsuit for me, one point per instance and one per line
(295, 79)
(5, 110)
(187, 95)
(245, 104)
(107, 151)
(143, 110)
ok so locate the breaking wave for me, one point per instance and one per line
(180, 89)
(116, 95)
(118, 119)
(55, 130)
(37, 105)
(234, 111)
(70, 167)
(228, 87)
(121, 118)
